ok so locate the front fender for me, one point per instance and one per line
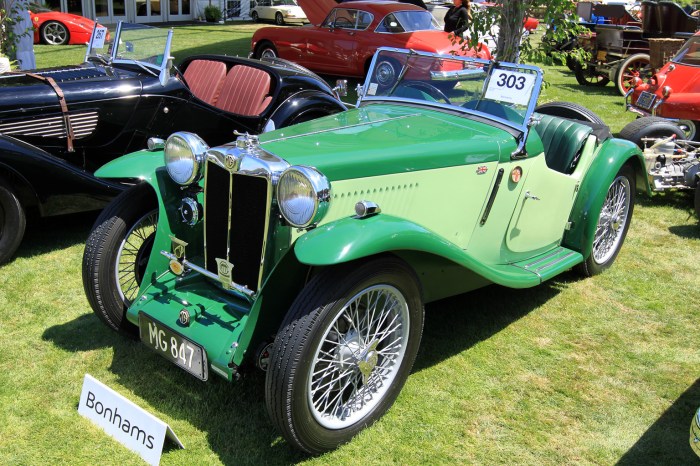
(613, 154)
(308, 102)
(352, 238)
(141, 165)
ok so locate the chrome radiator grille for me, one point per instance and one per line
(236, 211)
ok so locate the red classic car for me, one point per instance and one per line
(343, 37)
(672, 93)
(56, 28)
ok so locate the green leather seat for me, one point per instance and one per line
(562, 140)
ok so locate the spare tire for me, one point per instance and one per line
(569, 110)
(650, 127)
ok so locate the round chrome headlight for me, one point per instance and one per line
(303, 194)
(184, 155)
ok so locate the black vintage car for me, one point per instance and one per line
(59, 125)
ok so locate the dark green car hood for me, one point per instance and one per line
(380, 139)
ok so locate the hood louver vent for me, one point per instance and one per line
(83, 124)
(72, 74)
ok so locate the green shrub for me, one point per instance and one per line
(212, 13)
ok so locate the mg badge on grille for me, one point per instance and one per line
(231, 162)
(178, 246)
(224, 267)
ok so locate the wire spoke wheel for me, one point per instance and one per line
(359, 356)
(612, 221)
(133, 255)
(343, 351)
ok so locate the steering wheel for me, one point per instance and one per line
(423, 86)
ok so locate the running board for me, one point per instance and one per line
(551, 263)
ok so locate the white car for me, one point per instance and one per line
(280, 11)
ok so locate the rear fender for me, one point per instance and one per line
(305, 105)
(612, 156)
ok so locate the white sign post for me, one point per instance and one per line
(135, 428)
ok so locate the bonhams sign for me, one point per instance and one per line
(137, 429)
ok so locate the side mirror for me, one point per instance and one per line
(341, 88)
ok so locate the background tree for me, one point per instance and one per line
(559, 25)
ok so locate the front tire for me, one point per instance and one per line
(587, 75)
(635, 66)
(279, 19)
(13, 222)
(116, 255)
(254, 16)
(54, 33)
(343, 352)
(613, 222)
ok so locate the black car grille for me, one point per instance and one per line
(235, 223)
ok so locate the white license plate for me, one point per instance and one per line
(173, 346)
(646, 100)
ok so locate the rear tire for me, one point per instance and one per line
(266, 50)
(343, 352)
(116, 255)
(650, 127)
(613, 222)
(13, 222)
(569, 110)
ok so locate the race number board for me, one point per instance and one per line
(98, 41)
(511, 87)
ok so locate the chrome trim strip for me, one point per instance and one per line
(249, 294)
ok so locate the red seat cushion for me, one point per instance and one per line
(245, 91)
(205, 78)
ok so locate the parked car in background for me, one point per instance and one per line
(310, 251)
(58, 125)
(343, 37)
(280, 11)
(670, 94)
(56, 28)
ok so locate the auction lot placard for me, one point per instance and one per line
(129, 424)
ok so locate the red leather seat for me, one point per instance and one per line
(205, 78)
(245, 91)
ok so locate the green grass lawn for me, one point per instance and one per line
(595, 371)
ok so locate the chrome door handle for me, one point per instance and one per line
(531, 196)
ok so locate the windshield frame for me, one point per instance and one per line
(490, 66)
(117, 46)
(678, 57)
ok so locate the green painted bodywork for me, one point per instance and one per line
(430, 172)
(385, 139)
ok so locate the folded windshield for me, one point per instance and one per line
(503, 91)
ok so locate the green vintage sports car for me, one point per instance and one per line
(310, 251)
